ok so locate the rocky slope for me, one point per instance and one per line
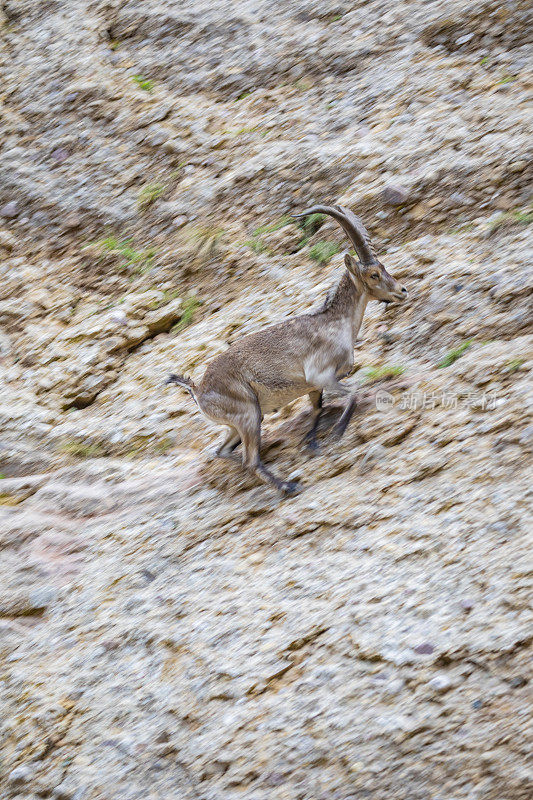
(169, 628)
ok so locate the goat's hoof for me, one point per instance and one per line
(338, 432)
(312, 446)
(228, 457)
(289, 487)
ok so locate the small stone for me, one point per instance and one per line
(9, 210)
(394, 687)
(21, 774)
(394, 194)
(389, 336)
(180, 221)
(477, 704)
(119, 316)
(64, 791)
(440, 683)
(175, 146)
(458, 199)
(42, 598)
(60, 154)
(518, 166)
(526, 437)
(7, 240)
(419, 212)
(373, 455)
(466, 604)
(464, 39)
(518, 681)
(72, 221)
(424, 649)
(275, 779)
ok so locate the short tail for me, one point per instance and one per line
(182, 381)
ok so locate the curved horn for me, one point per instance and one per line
(352, 226)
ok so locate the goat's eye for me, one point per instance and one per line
(375, 276)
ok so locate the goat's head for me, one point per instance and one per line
(368, 271)
(376, 281)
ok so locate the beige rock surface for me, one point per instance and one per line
(168, 627)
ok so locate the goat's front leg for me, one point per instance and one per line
(316, 400)
(347, 414)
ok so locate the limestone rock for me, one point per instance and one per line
(169, 626)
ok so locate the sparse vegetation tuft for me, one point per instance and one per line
(163, 445)
(190, 305)
(514, 365)
(205, 241)
(309, 225)
(323, 252)
(81, 449)
(274, 226)
(302, 85)
(143, 83)
(149, 193)
(256, 243)
(312, 223)
(177, 172)
(383, 373)
(333, 18)
(240, 131)
(464, 227)
(515, 217)
(132, 259)
(454, 354)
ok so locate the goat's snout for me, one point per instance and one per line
(404, 294)
(401, 294)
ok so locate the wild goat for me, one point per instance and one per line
(304, 355)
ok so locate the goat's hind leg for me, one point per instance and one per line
(226, 448)
(250, 431)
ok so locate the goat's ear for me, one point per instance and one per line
(352, 265)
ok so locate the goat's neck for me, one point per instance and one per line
(348, 303)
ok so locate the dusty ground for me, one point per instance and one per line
(169, 628)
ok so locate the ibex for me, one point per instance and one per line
(264, 371)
